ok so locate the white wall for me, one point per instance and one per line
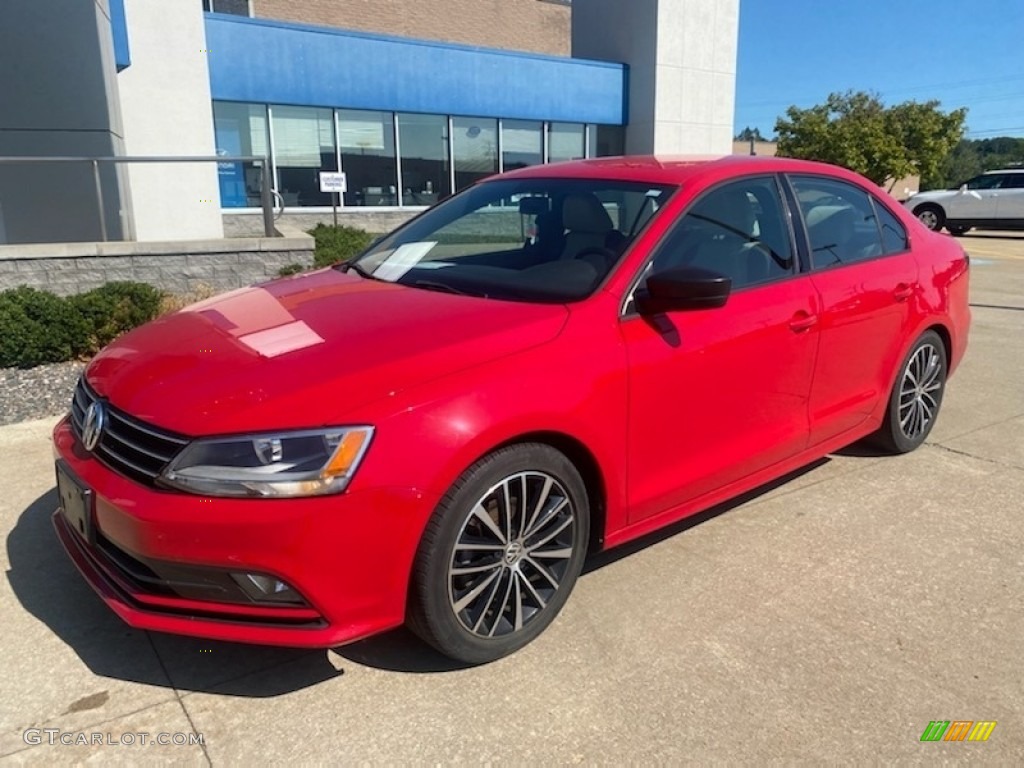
(682, 60)
(166, 110)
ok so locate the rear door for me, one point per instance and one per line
(717, 394)
(1011, 199)
(867, 280)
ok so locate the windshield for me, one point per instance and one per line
(544, 240)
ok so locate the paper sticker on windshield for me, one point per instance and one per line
(403, 259)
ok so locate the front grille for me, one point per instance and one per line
(128, 446)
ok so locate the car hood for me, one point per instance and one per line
(932, 196)
(303, 351)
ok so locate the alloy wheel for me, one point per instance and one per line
(920, 391)
(511, 555)
(929, 218)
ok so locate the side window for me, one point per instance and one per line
(894, 235)
(737, 229)
(1014, 181)
(840, 219)
(988, 181)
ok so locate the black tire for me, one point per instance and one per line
(516, 584)
(931, 215)
(916, 396)
(957, 231)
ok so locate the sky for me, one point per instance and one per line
(964, 53)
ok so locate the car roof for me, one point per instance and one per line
(1004, 170)
(675, 169)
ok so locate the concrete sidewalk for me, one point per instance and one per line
(828, 618)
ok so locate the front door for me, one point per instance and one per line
(717, 394)
(980, 200)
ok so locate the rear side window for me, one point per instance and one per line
(841, 221)
(894, 236)
(1014, 181)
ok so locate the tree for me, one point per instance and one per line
(749, 134)
(928, 134)
(974, 156)
(856, 130)
(963, 163)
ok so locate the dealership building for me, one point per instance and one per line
(410, 99)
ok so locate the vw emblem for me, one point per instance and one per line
(95, 423)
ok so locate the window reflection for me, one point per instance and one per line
(426, 172)
(240, 129)
(303, 146)
(565, 142)
(475, 140)
(367, 141)
(522, 143)
(390, 159)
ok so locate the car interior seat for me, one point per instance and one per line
(728, 243)
(831, 229)
(586, 222)
(550, 235)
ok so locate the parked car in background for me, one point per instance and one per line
(994, 200)
(552, 362)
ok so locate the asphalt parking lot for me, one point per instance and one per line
(829, 617)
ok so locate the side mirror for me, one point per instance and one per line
(963, 189)
(680, 289)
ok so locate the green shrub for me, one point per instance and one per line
(335, 244)
(38, 327)
(290, 269)
(115, 308)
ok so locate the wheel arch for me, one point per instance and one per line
(945, 337)
(928, 204)
(943, 333)
(586, 464)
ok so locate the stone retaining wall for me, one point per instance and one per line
(379, 222)
(176, 267)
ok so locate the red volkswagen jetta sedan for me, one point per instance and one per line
(552, 362)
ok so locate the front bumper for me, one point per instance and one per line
(349, 556)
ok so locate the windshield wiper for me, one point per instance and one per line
(430, 285)
(355, 267)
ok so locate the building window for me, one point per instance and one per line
(303, 146)
(607, 141)
(426, 168)
(475, 145)
(240, 129)
(390, 160)
(367, 141)
(234, 7)
(522, 143)
(565, 142)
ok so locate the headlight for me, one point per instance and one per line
(282, 464)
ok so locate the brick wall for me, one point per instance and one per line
(523, 25)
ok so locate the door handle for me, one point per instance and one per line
(801, 321)
(902, 292)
